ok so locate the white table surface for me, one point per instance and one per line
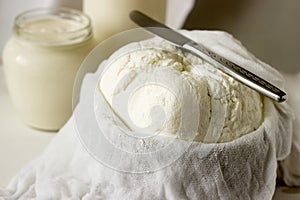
(20, 144)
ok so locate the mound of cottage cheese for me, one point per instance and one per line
(227, 109)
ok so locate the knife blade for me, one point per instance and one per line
(239, 73)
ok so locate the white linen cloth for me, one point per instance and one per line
(241, 169)
(290, 166)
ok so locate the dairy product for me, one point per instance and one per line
(227, 109)
(50, 31)
(40, 62)
(112, 16)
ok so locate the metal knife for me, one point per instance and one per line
(244, 76)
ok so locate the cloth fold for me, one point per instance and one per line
(290, 166)
(242, 169)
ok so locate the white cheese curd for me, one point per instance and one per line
(227, 109)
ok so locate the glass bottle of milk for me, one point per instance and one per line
(112, 16)
(41, 60)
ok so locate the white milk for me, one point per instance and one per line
(40, 64)
(112, 16)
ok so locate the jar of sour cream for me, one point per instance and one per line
(40, 63)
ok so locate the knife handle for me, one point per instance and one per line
(248, 78)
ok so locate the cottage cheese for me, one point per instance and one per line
(227, 109)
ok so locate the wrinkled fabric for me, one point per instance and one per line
(290, 166)
(242, 169)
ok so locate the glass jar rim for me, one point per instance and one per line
(80, 34)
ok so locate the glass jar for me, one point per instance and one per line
(40, 62)
(112, 16)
